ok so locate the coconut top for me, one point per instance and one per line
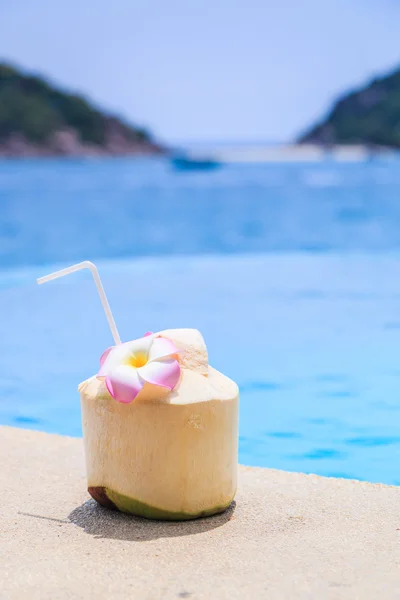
(197, 382)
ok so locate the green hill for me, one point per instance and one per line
(36, 118)
(370, 116)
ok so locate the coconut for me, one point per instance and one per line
(169, 454)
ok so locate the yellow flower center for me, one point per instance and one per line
(137, 360)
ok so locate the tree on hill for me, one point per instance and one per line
(369, 116)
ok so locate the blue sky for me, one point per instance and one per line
(206, 69)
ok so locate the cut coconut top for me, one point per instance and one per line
(193, 350)
(198, 381)
(191, 389)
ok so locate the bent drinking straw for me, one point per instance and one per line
(86, 264)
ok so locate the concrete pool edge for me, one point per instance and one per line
(290, 535)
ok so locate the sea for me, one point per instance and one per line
(290, 270)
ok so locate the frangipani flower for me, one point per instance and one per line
(128, 366)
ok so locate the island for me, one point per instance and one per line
(37, 119)
(369, 116)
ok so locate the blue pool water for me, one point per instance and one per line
(290, 271)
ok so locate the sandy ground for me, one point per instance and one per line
(287, 536)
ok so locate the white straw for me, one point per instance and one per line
(86, 264)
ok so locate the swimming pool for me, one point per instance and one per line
(311, 340)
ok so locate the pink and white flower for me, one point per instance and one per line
(128, 366)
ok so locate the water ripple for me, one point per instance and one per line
(323, 453)
(372, 441)
(26, 420)
(338, 394)
(285, 435)
(256, 386)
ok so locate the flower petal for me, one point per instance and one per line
(103, 359)
(165, 373)
(161, 347)
(120, 354)
(141, 345)
(105, 354)
(124, 384)
(112, 359)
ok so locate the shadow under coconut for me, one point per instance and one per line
(104, 523)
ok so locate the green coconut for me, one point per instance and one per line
(167, 455)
